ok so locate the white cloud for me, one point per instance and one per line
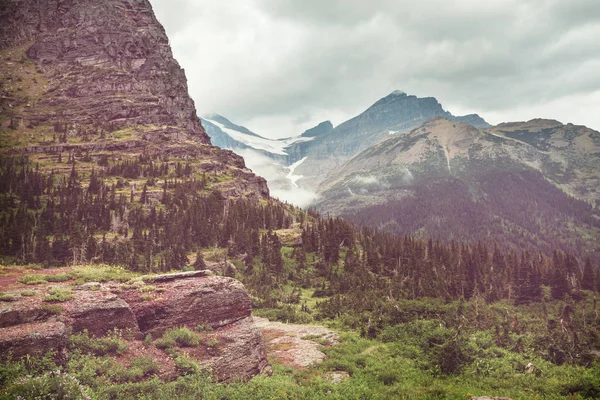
(282, 66)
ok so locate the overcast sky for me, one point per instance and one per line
(281, 66)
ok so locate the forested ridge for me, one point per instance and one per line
(75, 218)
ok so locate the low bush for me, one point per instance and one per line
(52, 385)
(59, 294)
(183, 337)
(111, 344)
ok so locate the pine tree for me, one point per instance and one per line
(588, 279)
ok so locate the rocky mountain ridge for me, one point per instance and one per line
(450, 180)
(318, 151)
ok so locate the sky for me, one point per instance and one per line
(280, 67)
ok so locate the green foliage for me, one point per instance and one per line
(183, 337)
(59, 294)
(35, 279)
(145, 364)
(148, 340)
(203, 328)
(111, 344)
(52, 308)
(7, 297)
(28, 293)
(52, 385)
(187, 366)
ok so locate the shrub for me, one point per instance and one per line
(112, 344)
(183, 337)
(52, 308)
(52, 385)
(145, 364)
(204, 328)
(57, 277)
(59, 294)
(187, 366)
(7, 297)
(148, 340)
(34, 279)
(28, 293)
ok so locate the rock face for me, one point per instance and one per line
(147, 307)
(109, 62)
(99, 312)
(99, 80)
(215, 301)
(32, 339)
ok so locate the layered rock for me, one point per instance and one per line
(215, 301)
(34, 339)
(105, 63)
(146, 307)
(99, 80)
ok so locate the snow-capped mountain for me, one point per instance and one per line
(268, 158)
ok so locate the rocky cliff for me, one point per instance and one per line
(99, 79)
(29, 326)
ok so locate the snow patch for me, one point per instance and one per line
(391, 132)
(261, 143)
(295, 178)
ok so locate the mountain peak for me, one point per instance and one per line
(321, 129)
(398, 93)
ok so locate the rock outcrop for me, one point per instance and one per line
(99, 80)
(107, 62)
(33, 339)
(145, 307)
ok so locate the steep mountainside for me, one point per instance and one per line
(451, 180)
(570, 154)
(395, 113)
(99, 80)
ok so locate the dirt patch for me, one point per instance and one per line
(298, 346)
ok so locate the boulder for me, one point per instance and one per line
(211, 300)
(240, 352)
(32, 339)
(98, 313)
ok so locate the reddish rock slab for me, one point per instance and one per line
(212, 300)
(240, 352)
(32, 339)
(98, 313)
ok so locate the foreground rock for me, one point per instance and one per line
(32, 339)
(296, 345)
(149, 306)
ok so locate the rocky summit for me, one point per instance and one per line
(396, 113)
(94, 80)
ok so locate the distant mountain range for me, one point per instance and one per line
(319, 150)
(407, 165)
